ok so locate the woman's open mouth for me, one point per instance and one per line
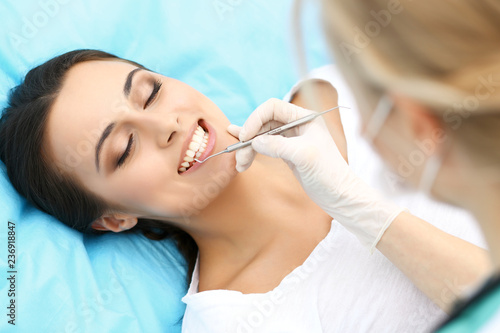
(198, 145)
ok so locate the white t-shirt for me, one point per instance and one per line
(340, 287)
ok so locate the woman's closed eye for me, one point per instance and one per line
(156, 88)
(126, 153)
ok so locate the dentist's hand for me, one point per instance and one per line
(309, 149)
(315, 160)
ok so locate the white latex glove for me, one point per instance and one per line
(313, 156)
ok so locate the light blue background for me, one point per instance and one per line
(237, 52)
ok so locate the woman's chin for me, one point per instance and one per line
(225, 171)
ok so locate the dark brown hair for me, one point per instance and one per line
(34, 176)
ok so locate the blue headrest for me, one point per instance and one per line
(238, 53)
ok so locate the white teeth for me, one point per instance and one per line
(197, 138)
(199, 152)
(196, 147)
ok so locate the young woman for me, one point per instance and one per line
(102, 143)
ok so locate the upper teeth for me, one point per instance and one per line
(196, 147)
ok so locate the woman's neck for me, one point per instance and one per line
(254, 214)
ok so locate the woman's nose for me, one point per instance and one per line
(162, 127)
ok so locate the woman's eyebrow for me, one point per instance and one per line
(128, 82)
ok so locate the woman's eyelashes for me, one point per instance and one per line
(126, 153)
(156, 88)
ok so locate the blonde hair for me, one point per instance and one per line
(445, 54)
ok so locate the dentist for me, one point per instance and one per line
(421, 71)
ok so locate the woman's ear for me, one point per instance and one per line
(115, 222)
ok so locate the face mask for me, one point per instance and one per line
(429, 174)
(377, 120)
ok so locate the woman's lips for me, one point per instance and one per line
(208, 150)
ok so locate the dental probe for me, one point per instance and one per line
(274, 131)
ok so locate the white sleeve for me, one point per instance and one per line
(320, 73)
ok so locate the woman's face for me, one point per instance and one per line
(129, 135)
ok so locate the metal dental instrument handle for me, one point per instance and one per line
(274, 131)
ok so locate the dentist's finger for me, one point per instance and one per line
(272, 110)
(244, 158)
(272, 146)
(299, 155)
(234, 130)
